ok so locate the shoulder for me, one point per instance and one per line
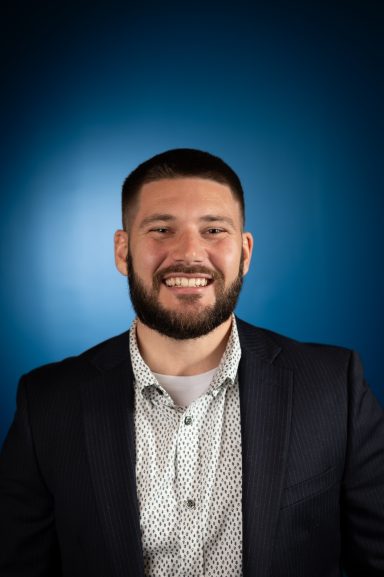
(293, 354)
(72, 371)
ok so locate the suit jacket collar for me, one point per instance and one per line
(265, 402)
(265, 405)
(110, 438)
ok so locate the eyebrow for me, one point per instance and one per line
(156, 218)
(169, 218)
(218, 218)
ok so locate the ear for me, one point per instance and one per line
(121, 251)
(247, 250)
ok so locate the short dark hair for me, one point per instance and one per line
(176, 163)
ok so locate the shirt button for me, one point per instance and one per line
(191, 504)
(188, 420)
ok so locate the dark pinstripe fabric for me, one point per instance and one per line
(313, 465)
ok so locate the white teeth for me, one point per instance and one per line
(186, 282)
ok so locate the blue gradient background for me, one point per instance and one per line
(290, 94)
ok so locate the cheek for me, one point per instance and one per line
(147, 258)
(227, 259)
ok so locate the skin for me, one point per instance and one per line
(192, 222)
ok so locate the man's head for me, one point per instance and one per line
(183, 246)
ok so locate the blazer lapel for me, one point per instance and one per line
(265, 402)
(109, 429)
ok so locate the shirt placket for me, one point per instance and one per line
(188, 486)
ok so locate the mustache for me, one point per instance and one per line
(181, 268)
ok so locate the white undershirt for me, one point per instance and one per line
(185, 390)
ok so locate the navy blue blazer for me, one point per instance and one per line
(313, 465)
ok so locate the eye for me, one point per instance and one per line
(215, 230)
(160, 229)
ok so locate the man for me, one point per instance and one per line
(194, 444)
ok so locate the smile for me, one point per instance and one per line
(186, 282)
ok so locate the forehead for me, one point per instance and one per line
(191, 194)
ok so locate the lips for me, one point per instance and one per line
(184, 282)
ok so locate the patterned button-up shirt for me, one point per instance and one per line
(188, 472)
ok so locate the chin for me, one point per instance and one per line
(186, 301)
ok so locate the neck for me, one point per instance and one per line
(182, 357)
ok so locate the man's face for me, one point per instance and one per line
(186, 255)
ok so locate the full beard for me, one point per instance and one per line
(193, 322)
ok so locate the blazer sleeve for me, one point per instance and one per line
(362, 502)
(28, 541)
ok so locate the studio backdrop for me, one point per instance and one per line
(289, 94)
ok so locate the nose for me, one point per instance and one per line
(188, 248)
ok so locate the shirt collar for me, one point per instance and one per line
(229, 364)
(225, 374)
(143, 374)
